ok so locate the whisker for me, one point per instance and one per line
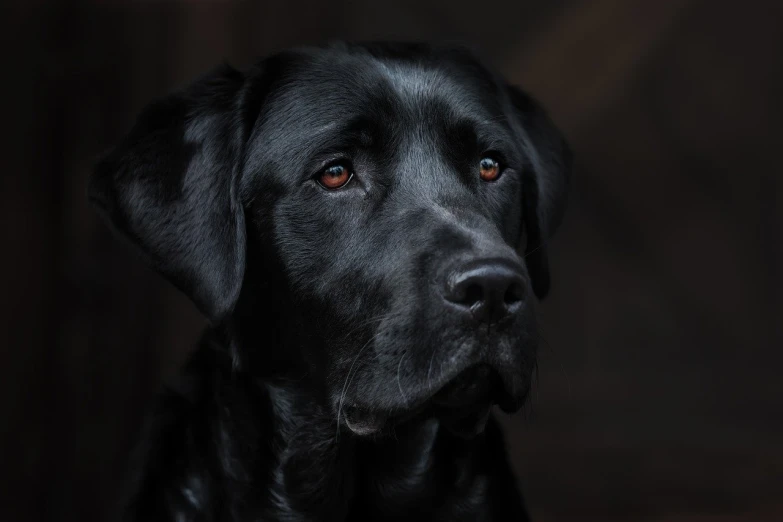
(543, 244)
(399, 385)
(348, 380)
(429, 371)
(351, 374)
(376, 319)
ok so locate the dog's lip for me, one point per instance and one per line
(364, 422)
(475, 385)
(466, 399)
(466, 422)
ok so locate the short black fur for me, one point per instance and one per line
(359, 336)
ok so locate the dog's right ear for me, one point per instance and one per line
(171, 187)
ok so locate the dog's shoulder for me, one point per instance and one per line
(203, 431)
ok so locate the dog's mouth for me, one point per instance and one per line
(463, 406)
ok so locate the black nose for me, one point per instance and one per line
(490, 290)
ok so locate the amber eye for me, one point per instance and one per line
(335, 176)
(489, 169)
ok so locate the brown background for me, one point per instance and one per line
(660, 395)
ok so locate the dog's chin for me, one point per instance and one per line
(462, 406)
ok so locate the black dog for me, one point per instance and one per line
(364, 225)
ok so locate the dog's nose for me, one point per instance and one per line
(490, 290)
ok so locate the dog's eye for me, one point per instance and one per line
(489, 169)
(335, 176)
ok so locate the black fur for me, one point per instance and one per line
(346, 375)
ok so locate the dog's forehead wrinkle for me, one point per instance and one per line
(411, 78)
(416, 85)
(319, 130)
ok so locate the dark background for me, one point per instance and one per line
(660, 394)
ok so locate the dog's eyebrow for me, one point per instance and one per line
(326, 127)
(494, 139)
(340, 138)
(489, 133)
(356, 131)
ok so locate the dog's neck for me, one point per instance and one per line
(311, 467)
(260, 448)
(276, 436)
(320, 474)
(318, 469)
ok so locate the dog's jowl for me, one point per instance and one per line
(365, 227)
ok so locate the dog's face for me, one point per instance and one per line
(396, 197)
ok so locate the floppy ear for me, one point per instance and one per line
(171, 188)
(547, 171)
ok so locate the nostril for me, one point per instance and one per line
(513, 294)
(474, 294)
(490, 290)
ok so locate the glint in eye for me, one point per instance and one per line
(489, 169)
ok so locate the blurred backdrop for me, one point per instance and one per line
(660, 394)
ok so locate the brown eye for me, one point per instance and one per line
(335, 177)
(489, 169)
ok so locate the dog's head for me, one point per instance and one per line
(387, 206)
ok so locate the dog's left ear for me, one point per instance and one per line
(171, 188)
(548, 161)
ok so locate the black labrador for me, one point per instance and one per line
(365, 227)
